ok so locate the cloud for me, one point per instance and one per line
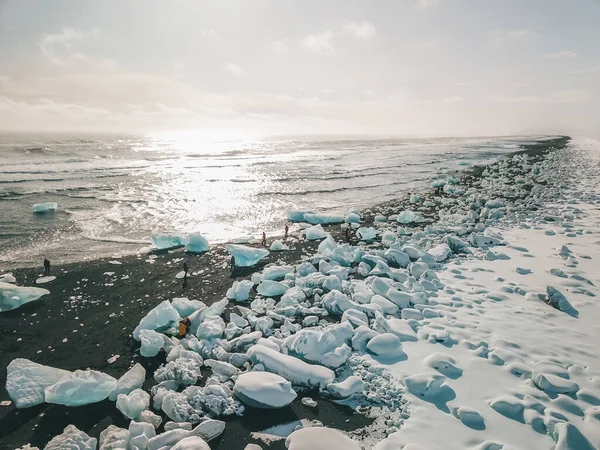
(360, 30)
(278, 46)
(236, 70)
(319, 43)
(210, 34)
(560, 96)
(427, 3)
(561, 55)
(500, 37)
(55, 45)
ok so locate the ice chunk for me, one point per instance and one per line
(149, 417)
(161, 317)
(191, 443)
(456, 244)
(276, 273)
(183, 370)
(196, 243)
(26, 381)
(72, 439)
(246, 256)
(240, 290)
(132, 404)
(131, 380)
(336, 303)
(164, 241)
(315, 219)
(350, 386)
(297, 216)
(399, 327)
(568, 437)
(270, 288)
(7, 278)
(557, 300)
(185, 307)
(278, 246)
(315, 232)
(440, 252)
(292, 369)
(114, 438)
(320, 438)
(152, 342)
(553, 384)
(397, 258)
(352, 217)
(264, 390)
(425, 385)
(11, 296)
(44, 280)
(195, 402)
(366, 234)
(387, 346)
(40, 208)
(81, 387)
(406, 217)
(140, 433)
(329, 347)
(292, 297)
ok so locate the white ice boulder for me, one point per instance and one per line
(196, 243)
(399, 327)
(164, 241)
(161, 317)
(568, 437)
(132, 404)
(264, 390)
(335, 302)
(315, 232)
(292, 369)
(26, 381)
(191, 443)
(329, 347)
(366, 233)
(320, 438)
(344, 389)
(297, 216)
(278, 246)
(185, 306)
(7, 278)
(406, 217)
(81, 387)
(386, 346)
(114, 438)
(240, 290)
(425, 385)
(11, 296)
(130, 381)
(270, 288)
(553, 384)
(246, 256)
(152, 342)
(440, 252)
(72, 439)
(315, 219)
(140, 433)
(557, 300)
(40, 208)
(352, 217)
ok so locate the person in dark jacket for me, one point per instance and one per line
(46, 267)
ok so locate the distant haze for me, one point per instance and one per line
(385, 67)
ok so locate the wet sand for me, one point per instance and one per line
(96, 305)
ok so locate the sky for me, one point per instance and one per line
(384, 67)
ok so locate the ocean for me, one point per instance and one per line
(113, 191)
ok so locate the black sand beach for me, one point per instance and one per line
(94, 306)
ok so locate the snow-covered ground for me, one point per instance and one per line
(479, 332)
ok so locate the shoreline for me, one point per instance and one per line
(110, 306)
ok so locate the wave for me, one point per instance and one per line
(328, 191)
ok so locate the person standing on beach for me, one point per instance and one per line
(185, 269)
(46, 267)
(264, 239)
(232, 264)
(286, 231)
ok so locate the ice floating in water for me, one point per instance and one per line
(320, 438)
(264, 390)
(40, 208)
(246, 256)
(80, 388)
(196, 243)
(11, 296)
(164, 241)
(26, 381)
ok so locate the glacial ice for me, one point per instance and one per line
(40, 208)
(407, 217)
(185, 306)
(292, 369)
(140, 433)
(26, 381)
(196, 243)
(270, 288)
(132, 379)
(328, 347)
(315, 219)
(132, 404)
(152, 342)
(246, 256)
(352, 217)
(81, 387)
(11, 296)
(114, 438)
(320, 438)
(191, 443)
(264, 390)
(240, 290)
(161, 317)
(315, 232)
(366, 233)
(386, 345)
(344, 389)
(297, 216)
(278, 246)
(164, 241)
(72, 439)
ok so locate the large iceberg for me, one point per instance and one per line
(292, 369)
(40, 208)
(26, 381)
(264, 390)
(80, 388)
(11, 296)
(196, 243)
(164, 241)
(246, 256)
(161, 317)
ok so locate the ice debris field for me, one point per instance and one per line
(476, 330)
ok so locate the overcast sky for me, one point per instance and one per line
(417, 67)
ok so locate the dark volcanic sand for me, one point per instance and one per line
(97, 312)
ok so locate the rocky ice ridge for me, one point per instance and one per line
(339, 321)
